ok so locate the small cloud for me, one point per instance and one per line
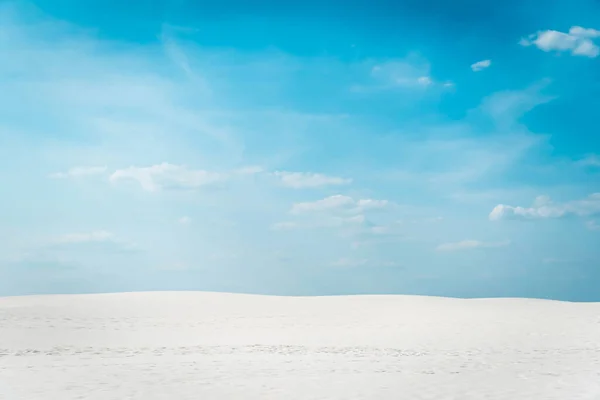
(79, 172)
(481, 65)
(167, 176)
(578, 41)
(411, 72)
(544, 208)
(339, 203)
(470, 244)
(301, 180)
(185, 220)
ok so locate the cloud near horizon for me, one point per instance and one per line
(544, 208)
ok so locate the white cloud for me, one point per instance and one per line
(470, 244)
(78, 172)
(167, 176)
(481, 65)
(89, 237)
(299, 180)
(185, 220)
(578, 41)
(410, 72)
(583, 32)
(544, 208)
(339, 203)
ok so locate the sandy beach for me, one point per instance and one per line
(193, 345)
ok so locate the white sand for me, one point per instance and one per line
(204, 346)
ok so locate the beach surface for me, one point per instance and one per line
(200, 345)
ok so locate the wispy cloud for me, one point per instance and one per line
(544, 208)
(578, 41)
(339, 203)
(167, 176)
(481, 65)
(302, 180)
(470, 244)
(410, 73)
(79, 172)
(508, 106)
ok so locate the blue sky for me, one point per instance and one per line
(414, 147)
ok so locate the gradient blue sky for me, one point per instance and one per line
(301, 148)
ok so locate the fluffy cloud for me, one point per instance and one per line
(470, 244)
(78, 172)
(544, 208)
(300, 180)
(167, 176)
(339, 203)
(578, 41)
(481, 65)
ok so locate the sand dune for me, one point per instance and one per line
(187, 345)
